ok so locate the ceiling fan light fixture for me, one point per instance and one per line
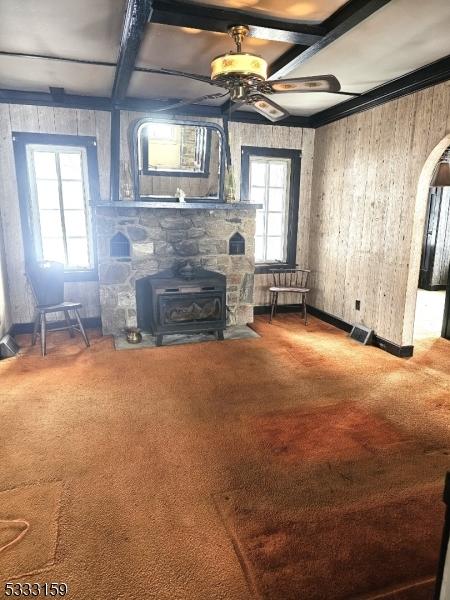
(441, 177)
(239, 64)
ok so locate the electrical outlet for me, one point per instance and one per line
(358, 304)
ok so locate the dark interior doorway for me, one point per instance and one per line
(432, 312)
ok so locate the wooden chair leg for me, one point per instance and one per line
(305, 313)
(80, 325)
(43, 334)
(273, 306)
(69, 325)
(37, 322)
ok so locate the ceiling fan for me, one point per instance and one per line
(244, 76)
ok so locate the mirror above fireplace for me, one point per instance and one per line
(177, 160)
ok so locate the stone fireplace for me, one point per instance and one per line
(154, 239)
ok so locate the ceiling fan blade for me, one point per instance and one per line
(175, 73)
(191, 101)
(318, 83)
(268, 108)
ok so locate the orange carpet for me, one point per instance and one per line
(299, 465)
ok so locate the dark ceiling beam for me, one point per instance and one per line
(339, 23)
(431, 74)
(211, 18)
(226, 107)
(46, 99)
(79, 61)
(137, 16)
(151, 105)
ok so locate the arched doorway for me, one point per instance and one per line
(420, 221)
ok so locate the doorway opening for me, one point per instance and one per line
(430, 317)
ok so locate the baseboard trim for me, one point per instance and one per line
(329, 318)
(281, 308)
(379, 342)
(395, 349)
(88, 322)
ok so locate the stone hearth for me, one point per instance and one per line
(162, 237)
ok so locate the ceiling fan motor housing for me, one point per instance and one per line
(238, 92)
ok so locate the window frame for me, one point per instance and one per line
(21, 141)
(293, 202)
(145, 169)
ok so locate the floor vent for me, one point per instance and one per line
(361, 334)
(8, 346)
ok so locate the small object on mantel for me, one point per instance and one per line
(230, 188)
(181, 195)
(134, 335)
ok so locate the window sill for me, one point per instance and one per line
(74, 276)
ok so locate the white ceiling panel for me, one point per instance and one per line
(146, 85)
(38, 75)
(400, 37)
(86, 29)
(192, 50)
(308, 104)
(306, 11)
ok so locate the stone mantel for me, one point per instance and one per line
(127, 204)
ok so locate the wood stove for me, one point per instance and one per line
(184, 300)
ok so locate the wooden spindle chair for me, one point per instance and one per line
(289, 281)
(46, 304)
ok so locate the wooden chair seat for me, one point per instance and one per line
(49, 308)
(289, 289)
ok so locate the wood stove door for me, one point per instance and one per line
(191, 312)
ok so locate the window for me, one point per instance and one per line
(56, 190)
(271, 178)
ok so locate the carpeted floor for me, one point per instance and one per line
(299, 465)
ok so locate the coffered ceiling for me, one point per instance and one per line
(78, 45)
(307, 11)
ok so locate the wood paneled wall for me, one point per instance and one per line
(367, 217)
(43, 120)
(272, 136)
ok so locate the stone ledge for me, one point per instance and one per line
(180, 205)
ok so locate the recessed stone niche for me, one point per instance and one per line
(161, 238)
(236, 244)
(119, 246)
